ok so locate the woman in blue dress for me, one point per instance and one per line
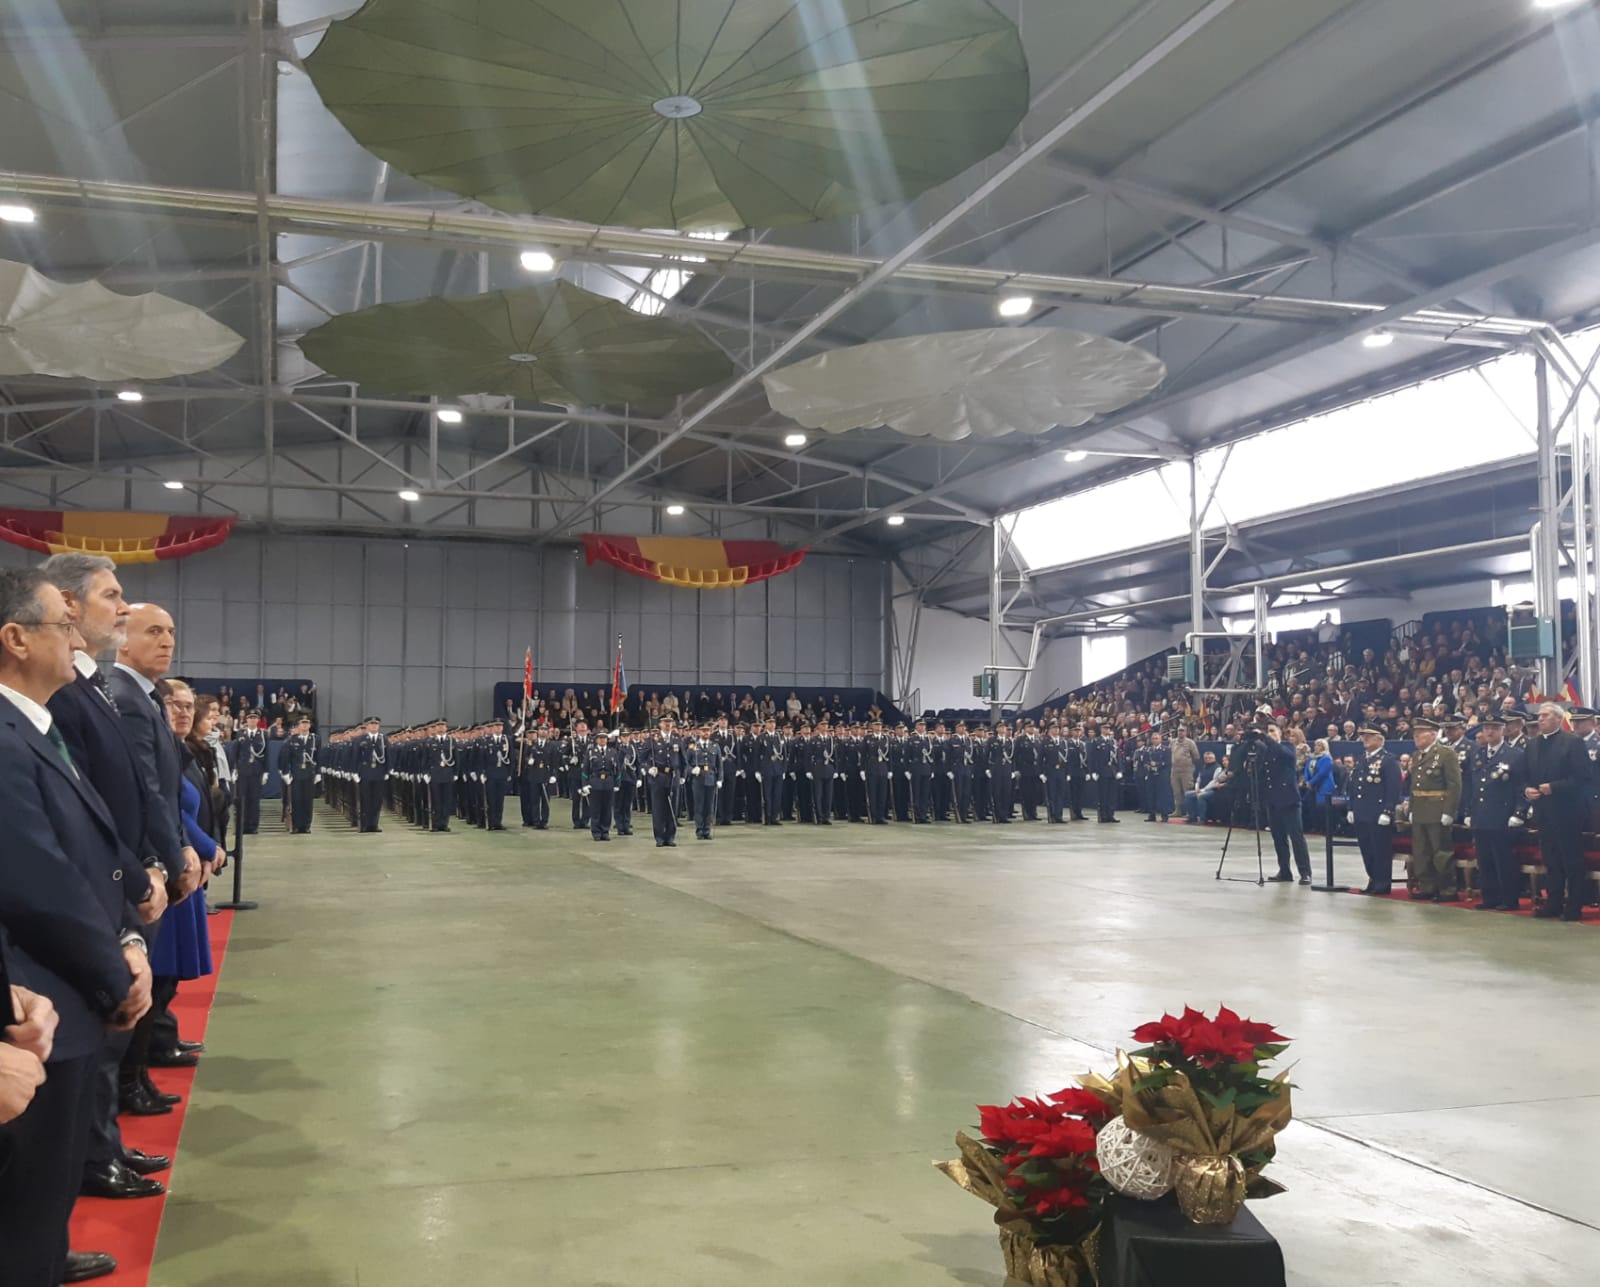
(183, 947)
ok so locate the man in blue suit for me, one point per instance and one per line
(1279, 783)
(76, 938)
(87, 716)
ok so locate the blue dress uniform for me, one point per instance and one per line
(1158, 782)
(982, 795)
(372, 772)
(627, 754)
(1077, 775)
(1493, 802)
(441, 773)
(1002, 773)
(499, 770)
(250, 775)
(1030, 776)
(662, 758)
(729, 777)
(703, 764)
(1374, 792)
(822, 752)
(1053, 762)
(1280, 790)
(875, 770)
(599, 785)
(300, 775)
(921, 768)
(772, 763)
(577, 746)
(1105, 772)
(747, 765)
(958, 767)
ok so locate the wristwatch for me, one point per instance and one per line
(131, 939)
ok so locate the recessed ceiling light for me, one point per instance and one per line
(538, 261)
(173, 485)
(674, 510)
(1378, 339)
(17, 214)
(1073, 457)
(896, 520)
(794, 440)
(129, 395)
(1552, 4)
(1016, 306)
(449, 416)
(408, 495)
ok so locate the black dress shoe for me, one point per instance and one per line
(116, 1180)
(84, 1265)
(135, 1101)
(1282, 876)
(142, 1163)
(173, 1059)
(1305, 880)
(192, 1047)
(155, 1092)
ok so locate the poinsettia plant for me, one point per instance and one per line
(1043, 1151)
(1221, 1059)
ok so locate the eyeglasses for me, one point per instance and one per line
(179, 706)
(65, 626)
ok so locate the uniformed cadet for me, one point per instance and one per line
(576, 747)
(958, 758)
(662, 757)
(1435, 804)
(772, 763)
(1053, 761)
(372, 774)
(1583, 724)
(703, 767)
(1077, 773)
(1495, 812)
(598, 784)
(1105, 772)
(250, 771)
(982, 795)
(628, 783)
(440, 774)
(1003, 772)
(1374, 791)
(820, 768)
(499, 771)
(875, 772)
(300, 774)
(747, 773)
(1158, 786)
(729, 779)
(920, 771)
(1030, 773)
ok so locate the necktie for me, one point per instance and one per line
(60, 743)
(103, 688)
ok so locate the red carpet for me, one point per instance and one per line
(1397, 895)
(128, 1228)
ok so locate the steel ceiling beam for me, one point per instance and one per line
(854, 272)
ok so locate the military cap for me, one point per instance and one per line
(1494, 721)
(372, 719)
(1515, 717)
(1419, 723)
(1368, 730)
(1584, 712)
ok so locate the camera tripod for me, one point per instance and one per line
(1252, 759)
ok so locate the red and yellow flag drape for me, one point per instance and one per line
(121, 537)
(694, 563)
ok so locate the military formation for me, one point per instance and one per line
(716, 774)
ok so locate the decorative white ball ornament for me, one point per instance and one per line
(1133, 1163)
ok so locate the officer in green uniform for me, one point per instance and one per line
(1435, 801)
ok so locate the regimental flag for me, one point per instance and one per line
(693, 562)
(1572, 694)
(123, 537)
(619, 681)
(527, 679)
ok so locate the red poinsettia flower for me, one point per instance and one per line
(1256, 1034)
(1209, 1042)
(1084, 1103)
(1070, 1136)
(1067, 1198)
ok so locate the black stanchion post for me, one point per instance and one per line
(238, 902)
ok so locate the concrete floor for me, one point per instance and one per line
(526, 1058)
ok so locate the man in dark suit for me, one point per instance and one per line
(62, 903)
(86, 714)
(1557, 774)
(141, 661)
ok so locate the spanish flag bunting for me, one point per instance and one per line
(122, 537)
(694, 563)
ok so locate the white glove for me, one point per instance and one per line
(1351, 817)
(585, 791)
(758, 777)
(863, 775)
(1445, 819)
(908, 775)
(1015, 774)
(316, 780)
(951, 775)
(285, 779)
(988, 773)
(265, 778)
(1384, 819)
(1119, 777)
(1041, 777)
(1515, 821)
(652, 770)
(552, 781)
(1467, 822)
(695, 770)
(1094, 777)
(739, 773)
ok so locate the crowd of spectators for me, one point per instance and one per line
(642, 708)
